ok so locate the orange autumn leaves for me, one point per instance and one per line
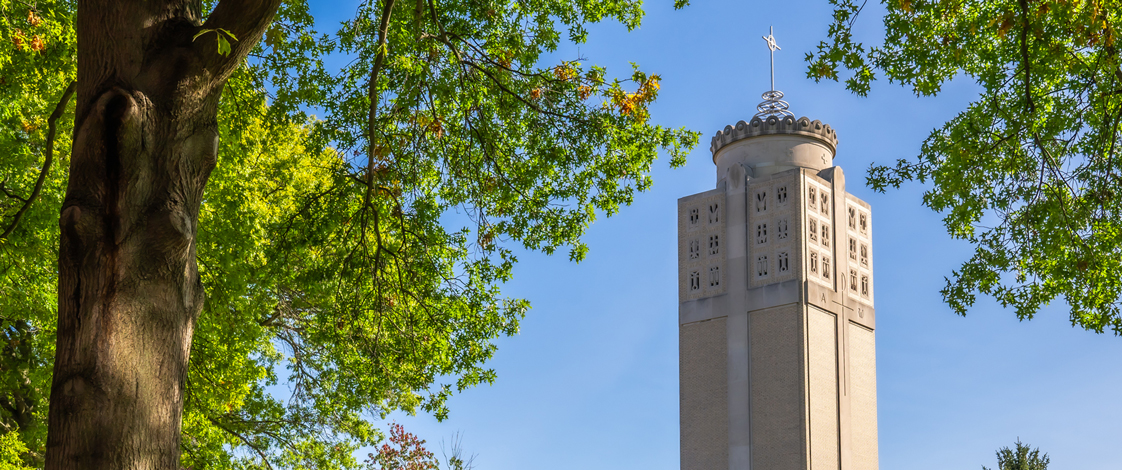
(629, 104)
(28, 41)
(636, 103)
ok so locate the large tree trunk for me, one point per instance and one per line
(145, 141)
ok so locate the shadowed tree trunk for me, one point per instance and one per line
(145, 141)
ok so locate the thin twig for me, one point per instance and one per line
(59, 109)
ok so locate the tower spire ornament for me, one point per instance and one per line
(773, 104)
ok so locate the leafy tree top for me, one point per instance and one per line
(355, 257)
(1028, 172)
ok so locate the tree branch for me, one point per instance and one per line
(1025, 55)
(51, 128)
(246, 20)
(375, 70)
(249, 444)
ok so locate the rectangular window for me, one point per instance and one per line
(761, 234)
(853, 280)
(812, 230)
(865, 286)
(825, 204)
(761, 201)
(825, 235)
(814, 263)
(782, 262)
(825, 267)
(811, 197)
(781, 194)
(695, 280)
(714, 276)
(852, 248)
(695, 249)
(853, 218)
(761, 266)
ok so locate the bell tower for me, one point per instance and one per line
(777, 357)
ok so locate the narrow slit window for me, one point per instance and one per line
(761, 201)
(825, 204)
(781, 194)
(714, 276)
(694, 216)
(761, 234)
(825, 235)
(853, 218)
(761, 266)
(812, 231)
(695, 249)
(812, 196)
(853, 280)
(852, 248)
(864, 223)
(714, 244)
(782, 262)
(865, 286)
(695, 280)
(714, 212)
(814, 263)
(781, 229)
(825, 267)
(864, 255)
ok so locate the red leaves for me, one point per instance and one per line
(404, 451)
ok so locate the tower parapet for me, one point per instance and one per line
(775, 125)
(774, 144)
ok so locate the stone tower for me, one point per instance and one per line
(777, 354)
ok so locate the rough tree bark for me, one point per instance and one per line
(145, 141)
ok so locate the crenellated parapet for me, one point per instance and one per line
(774, 125)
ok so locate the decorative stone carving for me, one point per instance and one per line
(859, 251)
(771, 220)
(820, 231)
(701, 254)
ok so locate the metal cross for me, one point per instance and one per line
(770, 38)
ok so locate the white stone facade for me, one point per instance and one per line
(777, 260)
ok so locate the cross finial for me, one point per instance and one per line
(771, 45)
(773, 104)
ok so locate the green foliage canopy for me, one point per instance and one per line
(1029, 172)
(354, 258)
(1022, 457)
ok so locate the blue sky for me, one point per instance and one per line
(591, 382)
